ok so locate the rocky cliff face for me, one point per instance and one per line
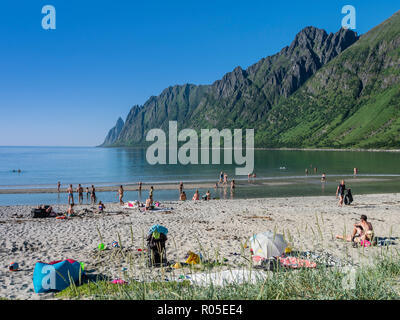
(242, 97)
(113, 134)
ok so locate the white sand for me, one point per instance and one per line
(220, 225)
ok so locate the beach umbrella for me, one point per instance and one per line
(268, 244)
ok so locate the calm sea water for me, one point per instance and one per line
(44, 166)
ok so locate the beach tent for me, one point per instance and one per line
(56, 275)
(267, 245)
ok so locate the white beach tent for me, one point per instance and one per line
(268, 244)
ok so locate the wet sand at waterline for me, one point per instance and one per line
(192, 185)
(217, 226)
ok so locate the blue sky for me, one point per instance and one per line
(68, 86)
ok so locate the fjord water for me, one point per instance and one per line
(284, 171)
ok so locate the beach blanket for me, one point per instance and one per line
(384, 241)
(131, 204)
(226, 277)
(157, 209)
(295, 263)
(56, 275)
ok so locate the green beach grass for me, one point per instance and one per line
(379, 281)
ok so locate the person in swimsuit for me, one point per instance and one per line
(79, 190)
(323, 178)
(140, 186)
(93, 195)
(180, 187)
(87, 194)
(70, 192)
(233, 186)
(361, 231)
(121, 195)
(101, 207)
(182, 196)
(149, 203)
(221, 177)
(196, 196)
(151, 192)
(58, 186)
(225, 178)
(70, 210)
(208, 195)
(340, 192)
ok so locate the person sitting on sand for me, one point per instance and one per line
(101, 207)
(121, 195)
(340, 191)
(208, 195)
(361, 231)
(182, 196)
(196, 196)
(70, 211)
(149, 203)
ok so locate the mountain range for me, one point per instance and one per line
(336, 90)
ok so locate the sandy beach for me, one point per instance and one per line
(222, 226)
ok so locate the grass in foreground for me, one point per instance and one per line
(378, 282)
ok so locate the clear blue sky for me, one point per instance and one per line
(68, 86)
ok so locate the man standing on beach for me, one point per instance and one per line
(79, 190)
(58, 186)
(121, 195)
(93, 195)
(180, 187)
(70, 192)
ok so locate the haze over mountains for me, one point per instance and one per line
(324, 90)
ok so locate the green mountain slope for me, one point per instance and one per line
(353, 101)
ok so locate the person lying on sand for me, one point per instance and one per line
(361, 231)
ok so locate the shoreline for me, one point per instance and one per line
(203, 184)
